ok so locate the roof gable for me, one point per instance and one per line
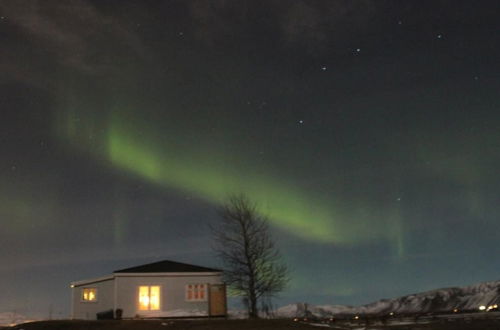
(167, 266)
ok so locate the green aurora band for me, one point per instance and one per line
(132, 146)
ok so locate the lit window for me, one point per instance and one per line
(149, 298)
(89, 294)
(196, 292)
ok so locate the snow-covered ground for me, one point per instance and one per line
(13, 318)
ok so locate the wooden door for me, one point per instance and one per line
(217, 300)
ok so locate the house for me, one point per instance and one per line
(161, 289)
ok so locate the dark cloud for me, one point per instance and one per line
(74, 34)
(312, 25)
(322, 23)
(219, 20)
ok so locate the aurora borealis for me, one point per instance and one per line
(367, 131)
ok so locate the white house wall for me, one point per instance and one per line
(88, 310)
(172, 297)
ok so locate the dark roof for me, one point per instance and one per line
(167, 266)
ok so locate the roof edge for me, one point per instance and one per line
(92, 280)
(167, 266)
(176, 274)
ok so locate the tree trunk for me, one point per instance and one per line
(253, 314)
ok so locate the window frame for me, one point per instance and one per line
(194, 289)
(82, 294)
(160, 298)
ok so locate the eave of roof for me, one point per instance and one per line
(92, 280)
(167, 266)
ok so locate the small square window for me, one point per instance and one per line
(89, 294)
(196, 292)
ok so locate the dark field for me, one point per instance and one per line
(219, 324)
(455, 325)
(245, 325)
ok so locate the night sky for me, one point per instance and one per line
(367, 130)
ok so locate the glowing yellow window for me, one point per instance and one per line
(89, 294)
(149, 298)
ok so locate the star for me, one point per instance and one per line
(323, 68)
(440, 36)
(301, 121)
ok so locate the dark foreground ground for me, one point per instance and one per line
(221, 324)
(441, 325)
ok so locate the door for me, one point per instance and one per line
(217, 300)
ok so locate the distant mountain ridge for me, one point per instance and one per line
(440, 300)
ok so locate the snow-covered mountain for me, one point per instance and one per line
(321, 311)
(441, 300)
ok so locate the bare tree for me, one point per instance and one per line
(253, 266)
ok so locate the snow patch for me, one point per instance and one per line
(12, 318)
